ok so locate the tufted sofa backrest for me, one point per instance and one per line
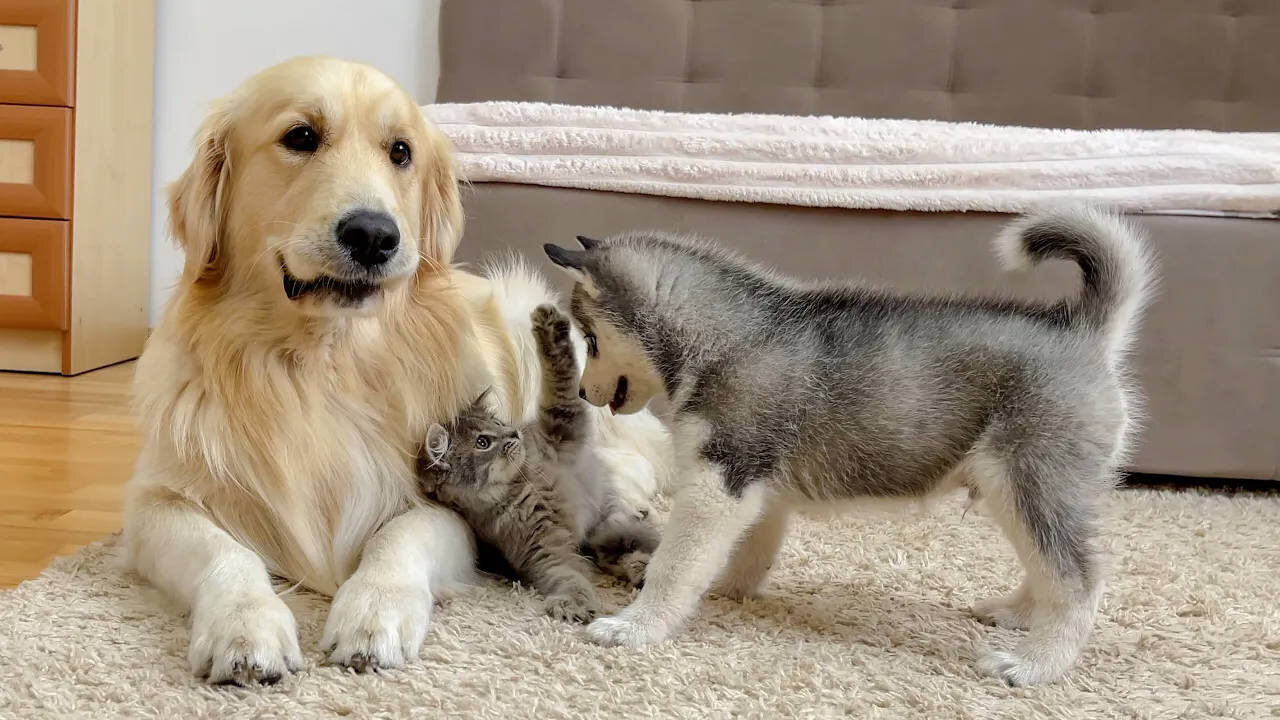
(1211, 64)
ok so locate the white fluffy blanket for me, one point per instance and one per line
(862, 163)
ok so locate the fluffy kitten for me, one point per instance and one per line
(515, 487)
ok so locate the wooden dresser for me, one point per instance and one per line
(76, 92)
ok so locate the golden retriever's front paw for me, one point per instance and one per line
(373, 625)
(243, 640)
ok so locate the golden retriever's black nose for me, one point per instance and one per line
(370, 237)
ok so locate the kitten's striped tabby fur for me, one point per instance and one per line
(513, 487)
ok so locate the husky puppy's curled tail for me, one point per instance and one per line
(1116, 266)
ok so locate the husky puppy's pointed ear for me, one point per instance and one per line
(573, 262)
(588, 243)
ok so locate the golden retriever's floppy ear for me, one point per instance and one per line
(442, 217)
(196, 200)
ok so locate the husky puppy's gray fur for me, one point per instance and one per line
(782, 394)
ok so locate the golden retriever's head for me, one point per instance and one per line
(318, 184)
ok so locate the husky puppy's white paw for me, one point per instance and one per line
(1012, 611)
(628, 629)
(1013, 670)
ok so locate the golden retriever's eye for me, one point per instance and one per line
(400, 153)
(301, 139)
(593, 345)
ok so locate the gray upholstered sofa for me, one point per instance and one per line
(1209, 356)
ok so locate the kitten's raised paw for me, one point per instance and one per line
(550, 325)
(576, 608)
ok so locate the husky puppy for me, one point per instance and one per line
(782, 394)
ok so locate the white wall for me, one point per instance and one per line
(204, 49)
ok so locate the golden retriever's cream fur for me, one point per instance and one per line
(280, 430)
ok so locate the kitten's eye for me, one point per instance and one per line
(482, 442)
(400, 153)
(593, 349)
(301, 139)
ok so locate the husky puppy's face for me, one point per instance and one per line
(619, 372)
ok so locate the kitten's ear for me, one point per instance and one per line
(588, 243)
(437, 445)
(479, 401)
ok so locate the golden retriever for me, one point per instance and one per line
(318, 329)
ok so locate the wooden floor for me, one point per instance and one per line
(67, 445)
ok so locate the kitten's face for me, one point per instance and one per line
(481, 448)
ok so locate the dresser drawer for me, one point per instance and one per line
(37, 51)
(35, 161)
(34, 273)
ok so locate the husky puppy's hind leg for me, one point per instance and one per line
(753, 558)
(1052, 525)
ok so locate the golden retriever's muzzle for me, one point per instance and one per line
(368, 240)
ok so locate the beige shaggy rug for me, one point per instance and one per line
(865, 617)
